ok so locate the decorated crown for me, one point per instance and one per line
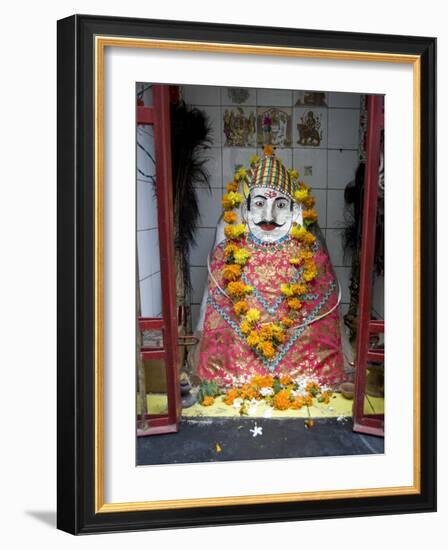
(268, 171)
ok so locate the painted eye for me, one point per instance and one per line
(281, 204)
(259, 204)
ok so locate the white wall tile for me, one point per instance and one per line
(238, 96)
(144, 162)
(334, 244)
(205, 239)
(321, 206)
(146, 205)
(156, 294)
(201, 95)
(213, 165)
(342, 167)
(195, 308)
(343, 128)
(199, 276)
(274, 98)
(306, 160)
(343, 275)
(283, 153)
(319, 114)
(209, 206)
(146, 299)
(232, 158)
(344, 99)
(148, 252)
(335, 209)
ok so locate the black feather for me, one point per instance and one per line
(190, 138)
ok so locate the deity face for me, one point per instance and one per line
(270, 214)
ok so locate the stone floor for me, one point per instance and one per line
(220, 439)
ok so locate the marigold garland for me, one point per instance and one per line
(280, 392)
(261, 336)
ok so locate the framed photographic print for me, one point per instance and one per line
(246, 274)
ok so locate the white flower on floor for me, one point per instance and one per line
(342, 418)
(266, 391)
(268, 412)
(256, 430)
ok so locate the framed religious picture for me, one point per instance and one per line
(246, 274)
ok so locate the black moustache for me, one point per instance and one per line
(264, 222)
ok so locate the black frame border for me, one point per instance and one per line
(75, 275)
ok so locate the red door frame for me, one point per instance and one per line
(158, 116)
(369, 424)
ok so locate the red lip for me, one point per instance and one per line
(268, 226)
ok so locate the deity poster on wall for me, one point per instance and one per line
(317, 99)
(274, 126)
(239, 127)
(309, 128)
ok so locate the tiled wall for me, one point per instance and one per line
(147, 226)
(326, 166)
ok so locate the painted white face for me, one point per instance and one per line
(270, 214)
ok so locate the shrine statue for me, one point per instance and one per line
(272, 301)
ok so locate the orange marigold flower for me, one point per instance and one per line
(248, 392)
(262, 381)
(286, 379)
(308, 400)
(245, 327)
(305, 255)
(234, 231)
(308, 238)
(298, 289)
(297, 403)
(310, 215)
(312, 387)
(231, 199)
(226, 203)
(310, 272)
(231, 395)
(230, 249)
(266, 331)
(232, 186)
(287, 322)
(253, 339)
(207, 401)
(268, 150)
(267, 349)
(241, 307)
(295, 261)
(294, 303)
(230, 217)
(237, 288)
(282, 400)
(278, 334)
(309, 202)
(325, 397)
(231, 272)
